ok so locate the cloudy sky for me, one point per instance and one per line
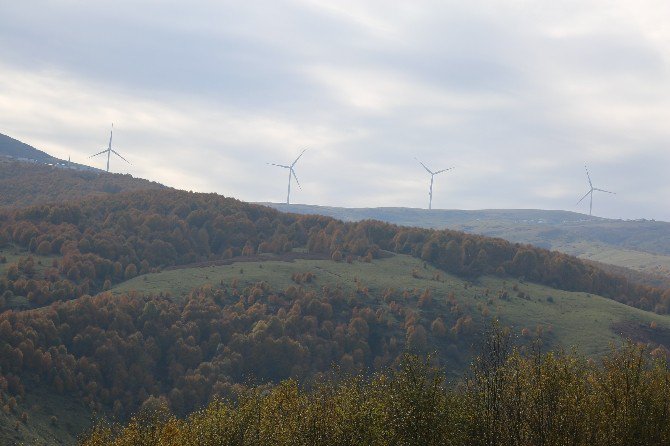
(518, 95)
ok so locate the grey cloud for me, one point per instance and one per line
(204, 93)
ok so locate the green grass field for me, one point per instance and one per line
(576, 319)
(13, 254)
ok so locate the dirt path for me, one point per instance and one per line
(286, 257)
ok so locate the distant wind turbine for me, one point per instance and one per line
(291, 172)
(109, 150)
(432, 177)
(590, 192)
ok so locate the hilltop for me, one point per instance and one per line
(13, 149)
(29, 176)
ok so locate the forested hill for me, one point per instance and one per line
(90, 313)
(545, 228)
(25, 184)
(643, 246)
(157, 229)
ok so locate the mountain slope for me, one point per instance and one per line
(14, 148)
(30, 176)
(25, 184)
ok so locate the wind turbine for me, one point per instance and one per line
(590, 192)
(432, 177)
(290, 172)
(109, 150)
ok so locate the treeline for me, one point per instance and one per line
(107, 241)
(509, 399)
(26, 184)
(114, 352)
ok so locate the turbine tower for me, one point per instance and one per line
(590, 192)
(291, 172)
(432, 177)
(109, 150)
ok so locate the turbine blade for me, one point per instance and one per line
(99, 153)
(278, 165)
(424, 166)
(587, 194)
(443, 170)
(603, 190)
(117, 154)
(588, 176)
(296, 160)
(296, 178)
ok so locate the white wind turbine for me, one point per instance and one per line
(109, 150)
(590, 192)
(432, 178)
(291, 172)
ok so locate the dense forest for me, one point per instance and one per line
(106, 241)
(510, 398)
(115, 351)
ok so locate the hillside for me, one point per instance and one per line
(25, 184)
(640, 245)
(180, 297)
(30, 176)
(565, 318)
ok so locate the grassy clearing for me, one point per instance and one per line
(576, 319)
(13, 254)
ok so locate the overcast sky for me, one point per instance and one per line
(517, 95)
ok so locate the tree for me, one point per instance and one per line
(44, 248)
(130, 272)
(438, 328)
(417, 340)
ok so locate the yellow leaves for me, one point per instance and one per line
(544, 398)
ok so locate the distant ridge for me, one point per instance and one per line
(640, 245)
(439, 218)
(18, 150)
